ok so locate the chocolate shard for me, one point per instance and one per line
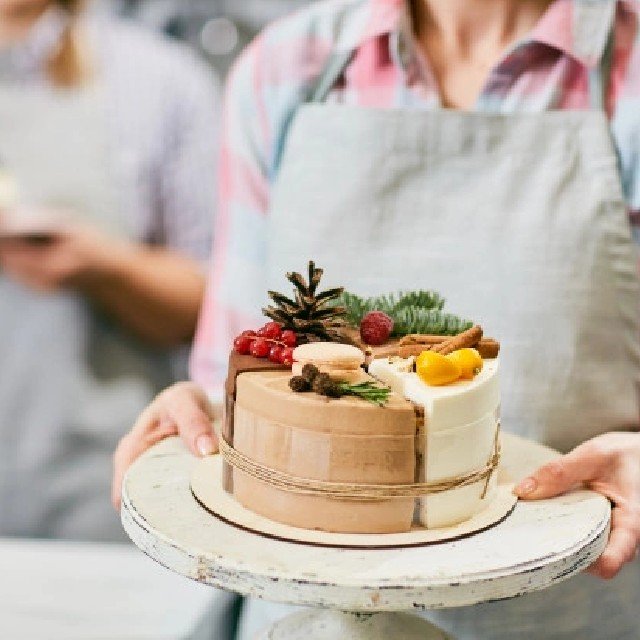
(241, 364)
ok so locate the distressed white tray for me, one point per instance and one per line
(539, 544)
(206, 487)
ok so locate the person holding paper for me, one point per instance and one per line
(108, 139)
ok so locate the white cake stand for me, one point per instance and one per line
(359, 592)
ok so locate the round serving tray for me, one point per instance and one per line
(539, 544)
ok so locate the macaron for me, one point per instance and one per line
(340, 361)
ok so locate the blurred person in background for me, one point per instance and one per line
(108, 140)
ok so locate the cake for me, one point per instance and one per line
(361, 438)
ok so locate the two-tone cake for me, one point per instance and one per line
(361, 438)
(458, 436)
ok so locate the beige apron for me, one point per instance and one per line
(71, 382)
(519, 220)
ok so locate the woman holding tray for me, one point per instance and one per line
(483, 148)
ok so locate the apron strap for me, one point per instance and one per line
(331, 74)
(599, 78)
(317, 93)
(600, 75)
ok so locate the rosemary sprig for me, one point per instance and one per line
(312, 380)
(368, 391)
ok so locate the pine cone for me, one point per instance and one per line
(313, 316)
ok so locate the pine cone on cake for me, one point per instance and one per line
(313, 316)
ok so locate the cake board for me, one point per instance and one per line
(533, 548)
(206, 487)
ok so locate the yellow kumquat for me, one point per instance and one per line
(435, 369)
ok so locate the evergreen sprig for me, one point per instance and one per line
(411, 311)
(429, 321)
(368, 391)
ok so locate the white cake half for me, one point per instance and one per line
(461, 420)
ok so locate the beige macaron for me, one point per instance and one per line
(340, 361)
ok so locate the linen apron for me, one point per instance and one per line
(520, 222)
(71, 382)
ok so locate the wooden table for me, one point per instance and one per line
(537, 546)
(69, 591)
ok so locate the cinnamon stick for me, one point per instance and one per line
(422, 338)
(488, 348)
(469, 338)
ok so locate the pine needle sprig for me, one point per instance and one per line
(429, 321)
(369, 391)
(418, 299)
(412, 312)
(356, 307)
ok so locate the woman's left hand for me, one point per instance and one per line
(153, 292)
(64, 258)
(610, 465)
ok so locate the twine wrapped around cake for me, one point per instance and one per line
(356, 491)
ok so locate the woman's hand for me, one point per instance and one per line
(182, 409)
(63, 257)
(152, 292)
(610, 465)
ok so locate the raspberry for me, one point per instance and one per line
(289, 338)
(242, 344)
(376, 327)
(271, 331)
(275, 355)
(260, 348)
(250, 332)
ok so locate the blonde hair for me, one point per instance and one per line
(69, 66)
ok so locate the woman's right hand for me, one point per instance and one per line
(182, 409)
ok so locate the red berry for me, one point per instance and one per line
(275, 355)
(289, 338)
(271, 330)
(260, 348)
(242, 344)
(375, 328)
(251, 333)
(286, 357)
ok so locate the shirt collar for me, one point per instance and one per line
(32, 54)
(370, 20)
(578, 28)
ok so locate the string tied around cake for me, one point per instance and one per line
(359, 491)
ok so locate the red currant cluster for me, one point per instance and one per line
(268, 342)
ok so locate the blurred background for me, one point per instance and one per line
(219, 29)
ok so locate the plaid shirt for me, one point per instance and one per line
(547, 70)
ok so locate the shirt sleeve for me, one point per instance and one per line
(237, 285)
(186, 183)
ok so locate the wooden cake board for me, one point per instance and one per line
(531, 549)
(206, 487)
